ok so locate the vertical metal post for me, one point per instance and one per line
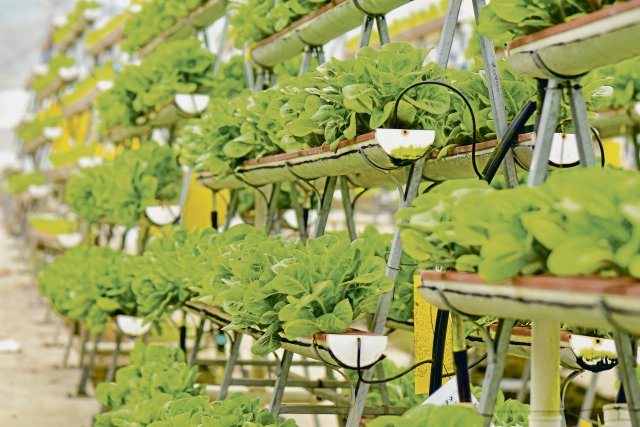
(589, 398)
(348, 208)
(111, 373)
(67, 350)
(627, 374)
(383, 29)
(413, 185)
(297, 208)
(230, 366)
(196, 343)
(221, 45)
(184, 193)
(496, 355)
(83, 347)
(524, 386)
(233, 207)
(544, 136)
(281, 382)
(88, 369)
(325, 206)
(581, 125)
(460, 358)
(495, 95)
(272, 211)
(365, 32)
(306, 59)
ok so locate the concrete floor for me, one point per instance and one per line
(34, 389)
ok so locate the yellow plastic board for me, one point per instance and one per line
(424, 318)
(199, 205)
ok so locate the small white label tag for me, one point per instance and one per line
(448, 395)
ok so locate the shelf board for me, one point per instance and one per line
(317, 28)
(198, 19)
(574, 48)
(31, 146)
(109, 40)
(348, 160)
(54, 87)
(61, 174)
(617, 122)
(81, 105)
(574, 300)
(81, 25)
(121, 133)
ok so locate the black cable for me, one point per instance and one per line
(597, 135)
(461, 95)
(406, 371)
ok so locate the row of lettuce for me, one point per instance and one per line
(255, 20)
(158, 389)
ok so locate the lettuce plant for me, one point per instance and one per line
(508, 20)
(554, 228)
(118, 192)
(33, 129)
(57, 62)
(98, 34)
(625, 80)
(255, 20)
(73, 17)
(20, 183)
(155, 17)
(52, 225)
(70, 156)
(152, 370)
(89, 285)
(182, 66)
(84, 87)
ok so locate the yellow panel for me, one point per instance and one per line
(612, 152)
(199, 205)
(424, 315)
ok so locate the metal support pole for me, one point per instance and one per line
(184, 193)
(88, 369)
(348, 208)
(196, 343)
(581, 125)
(413, 185)
(495, 95)
(67, 350)
(365, 32)
(383, 29)
(297, 208)
(546, 129)
(281, 382)
(496, 355)
(83, 347)
(306, 59)
(524, 386)
(221, 45)
(627, 374)
(229, 368)
(589, 398)
(233, 207)
(325, 206)
(460, 358)
(114, 359)
(272, 211)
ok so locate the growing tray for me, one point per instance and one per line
(574, 48)
(60, 174)
(318, 28)
(31, 146)
(617, 122)
(198, 19)
(579, 301)
(107, 42)
(81, 105)
(56, 85)
(49, 241)
(348, 160)
(315, 347)
(86, 19)
(167, 115)
(520, 345)
(121, 133)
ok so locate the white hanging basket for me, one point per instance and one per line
(132, 326)
(70, 240)
(163, 215)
